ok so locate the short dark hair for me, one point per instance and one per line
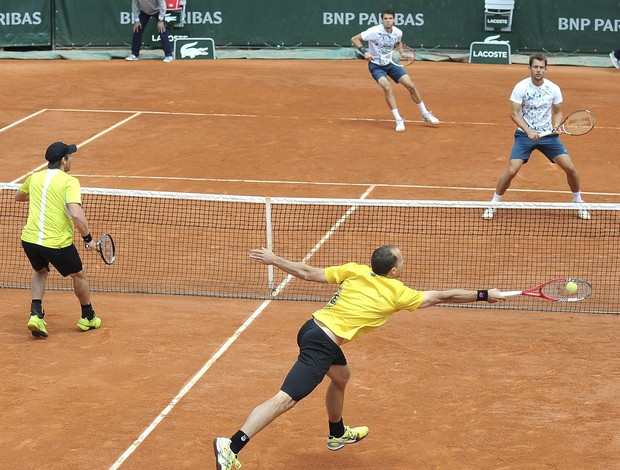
(383, 259)
(387, 12)
(540, 57)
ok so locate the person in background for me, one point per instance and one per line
(143, 11)
(383, 39)
(535, 107)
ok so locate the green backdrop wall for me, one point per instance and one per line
(569, 25)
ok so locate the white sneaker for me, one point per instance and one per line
(225, 459)
(131, 57)
(614, 60)
(168, 59)
(428, 117)
(400, 125)
(489, 213)
(583, 214)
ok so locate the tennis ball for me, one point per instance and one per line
(571, 286)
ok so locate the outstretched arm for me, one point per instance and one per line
(458, 296)
(297, 269)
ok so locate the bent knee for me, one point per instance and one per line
(340, 375)
(284, 400)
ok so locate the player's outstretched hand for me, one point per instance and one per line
(263, 255)
(495, 296)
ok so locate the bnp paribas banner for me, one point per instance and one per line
(567, 25)
(25, 23)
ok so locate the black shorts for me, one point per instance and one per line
(317, 353)
(66, 260)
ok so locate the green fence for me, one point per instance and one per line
(568, 26)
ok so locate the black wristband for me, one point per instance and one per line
(362, 49)
(482, 296)
(88, 238)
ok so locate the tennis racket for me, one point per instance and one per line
(569, 289)
(402, 58)
(105, 248)
(576, 123)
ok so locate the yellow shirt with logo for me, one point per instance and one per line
(364, 301)
(49, 223)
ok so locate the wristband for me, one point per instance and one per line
(88, 238)
(362, 49)
(482, 296)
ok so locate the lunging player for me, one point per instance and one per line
(366, 299)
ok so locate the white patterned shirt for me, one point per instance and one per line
(537, 103)
(381, 42)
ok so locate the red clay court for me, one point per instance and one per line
(442, 388)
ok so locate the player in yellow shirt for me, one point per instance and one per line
(55, 207)
(367, 298)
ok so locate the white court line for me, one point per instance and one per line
(22, 120)
(334, 183)
(273, 116)
(262, 116)
(188, 386)
(43, 165)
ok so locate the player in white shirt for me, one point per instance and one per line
(382, 39)
(535, 107)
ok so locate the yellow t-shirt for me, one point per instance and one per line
(364, 301)
(49, 223)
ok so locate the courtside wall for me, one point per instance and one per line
(562, 26)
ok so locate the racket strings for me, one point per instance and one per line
(578, 123)
(107, 249)
(558, 289)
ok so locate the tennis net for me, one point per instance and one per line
(198, 244)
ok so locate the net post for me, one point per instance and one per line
(269, 235)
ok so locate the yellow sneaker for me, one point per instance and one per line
(85, 324)
(36, 326)
(224, 457)
(351, 436)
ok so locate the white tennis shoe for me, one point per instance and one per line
(131, 57)
(168, 59)
(614, 60)
(489, 213)
(583, 214)
(400, 125)
(428, 117)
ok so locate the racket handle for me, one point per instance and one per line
(546, 133)
(510, 293)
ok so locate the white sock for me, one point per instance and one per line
(422, 108)
(396, 115)
(496, 197)
(577, 197)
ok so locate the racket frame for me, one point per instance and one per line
(537, 291)
(106, 236)
(561, 129)
(389, 57)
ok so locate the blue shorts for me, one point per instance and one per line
(317, 353)
(550, 146)
(390, 70)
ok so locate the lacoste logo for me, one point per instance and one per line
(188, 50)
